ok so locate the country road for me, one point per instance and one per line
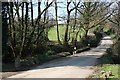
(80, 65)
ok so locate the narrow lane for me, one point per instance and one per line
(75, 66)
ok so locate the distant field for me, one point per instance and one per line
(52, 34)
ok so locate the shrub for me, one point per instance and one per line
(93, 40)
(109, 51)
(50, 52)
(33, 60)
(116, 48)
(98, 35)
(116, 52)
(63, 54)
(83, 49)
(94, 43)
(84, 42)
(56, 48)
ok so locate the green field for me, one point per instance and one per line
(52, 34)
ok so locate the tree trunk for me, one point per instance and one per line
(68, 20)
(17, 62)
(119, 19)
(32, 13)
(38, 23)
(25, 31)
(66, 31)
(74, 38)
(22, 19)
(86, 33)
(13, 27)
(4, 30)
(58, 37)
(10, 25)
(39, 12)
(45, 22)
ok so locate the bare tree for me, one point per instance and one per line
(74, 38)
(13, 27)
(56, 15)
(92, 14)
(31, 12)
(39, 17)
(115, 19)
(22, 18)
(46, 17)
(119, 18)
(68, 20)
(23, 36)
(5, 29)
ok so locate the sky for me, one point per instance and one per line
(51, 10)
(61, 11)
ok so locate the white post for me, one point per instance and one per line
(74, 51)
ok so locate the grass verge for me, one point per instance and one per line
(110, 68)
(107, 69)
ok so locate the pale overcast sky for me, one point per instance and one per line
(61, 11)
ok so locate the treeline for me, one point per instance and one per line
(24, 36)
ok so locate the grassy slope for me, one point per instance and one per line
(107, 66)
(52, 35)
(111, 67)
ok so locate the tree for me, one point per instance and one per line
(56, 15)
(46, 21)
(68, 20)
(31, 12)
(119, 18)
(115, 19)
(75, 34)
(4, 29)
(23, 36)
(93, 14)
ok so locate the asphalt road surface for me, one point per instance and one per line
(79, 65)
